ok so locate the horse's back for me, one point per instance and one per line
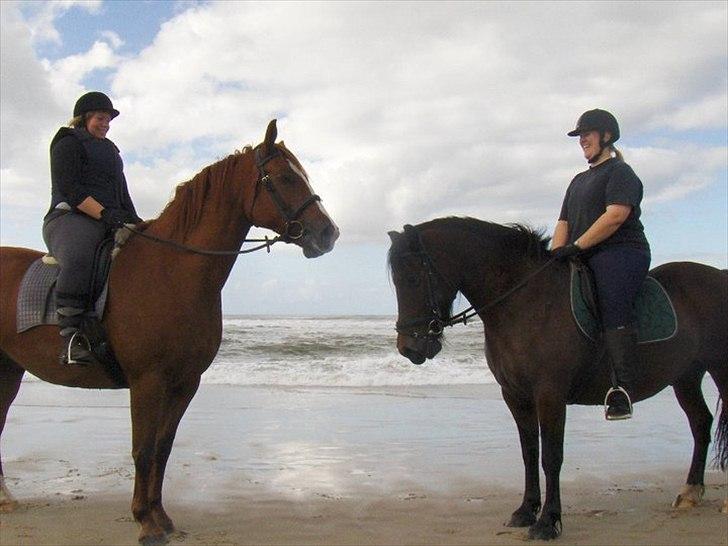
(700, 295)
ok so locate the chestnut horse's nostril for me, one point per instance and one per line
(329, 235)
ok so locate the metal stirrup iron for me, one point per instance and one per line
(610, 392)
(69, 358)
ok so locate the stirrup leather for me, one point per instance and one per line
(610, 392)
(82, 340)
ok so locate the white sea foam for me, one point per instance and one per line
(346, 351)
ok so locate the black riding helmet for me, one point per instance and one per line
(597, 120)
(95, 100)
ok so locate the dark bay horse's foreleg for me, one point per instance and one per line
(524, 413)
(690, 397)
(156, 410)
(10, 377)
(551, 408)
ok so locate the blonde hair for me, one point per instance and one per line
(617, 153)
(79, 122)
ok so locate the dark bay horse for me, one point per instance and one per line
(537, 354)
(163, 315)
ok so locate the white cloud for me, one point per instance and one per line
(400, 112)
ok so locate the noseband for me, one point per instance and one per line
(293, 228)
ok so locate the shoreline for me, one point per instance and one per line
(337, 465)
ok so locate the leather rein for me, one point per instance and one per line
(435, 322)
(293, 228)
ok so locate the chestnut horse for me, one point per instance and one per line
(537, 354)
(163, 314)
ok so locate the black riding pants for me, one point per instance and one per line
(72, 239)
(619, 273)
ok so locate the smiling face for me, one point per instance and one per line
(590, 142)
(98, 123)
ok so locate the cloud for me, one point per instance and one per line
(399, 114)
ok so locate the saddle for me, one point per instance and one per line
(37, 301)
(656, 317)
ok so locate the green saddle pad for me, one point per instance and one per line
(656, 318)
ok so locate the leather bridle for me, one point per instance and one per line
(293, 228)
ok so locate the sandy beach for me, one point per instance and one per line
(404, 465)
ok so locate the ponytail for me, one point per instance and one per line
(617, 153)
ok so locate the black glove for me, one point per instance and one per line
(567, 251)
(116, 218)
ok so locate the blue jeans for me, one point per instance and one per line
(619, 272)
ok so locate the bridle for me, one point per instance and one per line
(436, 323)
(293, 228)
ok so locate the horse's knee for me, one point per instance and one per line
(689, 497)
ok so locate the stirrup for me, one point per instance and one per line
(610, 392)
(83, 340)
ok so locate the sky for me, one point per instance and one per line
(400, 112)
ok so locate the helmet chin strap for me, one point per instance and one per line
(602, 146)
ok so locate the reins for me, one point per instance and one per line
(471, 311)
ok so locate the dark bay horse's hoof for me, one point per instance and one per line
(154, 540)
(543, 530)
(522, 518)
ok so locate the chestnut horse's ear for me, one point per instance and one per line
(270, 137)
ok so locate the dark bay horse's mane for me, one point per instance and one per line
(514, 242)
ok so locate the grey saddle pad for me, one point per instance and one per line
(37, 297)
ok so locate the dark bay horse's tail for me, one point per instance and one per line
(721, 436)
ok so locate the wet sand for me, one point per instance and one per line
(405, 465)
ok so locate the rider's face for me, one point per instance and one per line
(98, 124)
(589, 142)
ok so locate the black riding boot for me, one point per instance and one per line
(621, 345)
(76, 348)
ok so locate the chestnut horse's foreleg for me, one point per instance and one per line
(156, 410)
(551, 409)
(690, 397)
(10, 376)
(524, 414)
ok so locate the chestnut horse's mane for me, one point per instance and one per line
(211, 183)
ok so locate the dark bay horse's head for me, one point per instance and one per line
(284, 201)
(425, 292)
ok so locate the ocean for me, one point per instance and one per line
(341, 351)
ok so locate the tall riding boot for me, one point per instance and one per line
(76, 347)
(621, 346)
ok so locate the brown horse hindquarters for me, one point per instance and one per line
(36, 350)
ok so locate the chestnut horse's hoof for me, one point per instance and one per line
(725, 507)
(689, 497)
(543, 530)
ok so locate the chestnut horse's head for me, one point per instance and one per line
(424, 295)
(284, 201)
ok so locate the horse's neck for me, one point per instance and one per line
(221, 225)
(487, 276)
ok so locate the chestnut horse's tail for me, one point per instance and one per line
(721, 436)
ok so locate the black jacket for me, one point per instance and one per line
(83, 166)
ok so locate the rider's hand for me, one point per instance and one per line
(116, 218)
(566, 251)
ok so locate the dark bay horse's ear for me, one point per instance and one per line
(270, 138)
(394, 236)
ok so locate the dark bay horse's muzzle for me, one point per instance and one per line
(419, 349)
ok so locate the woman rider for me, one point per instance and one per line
(89, 199)
(600, 220)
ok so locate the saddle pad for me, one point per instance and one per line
(37, 297)
(656, 318)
